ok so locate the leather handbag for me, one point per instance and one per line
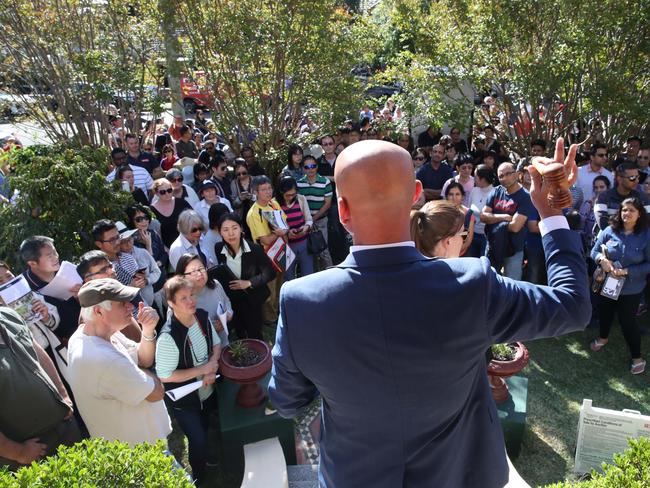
(316, 242)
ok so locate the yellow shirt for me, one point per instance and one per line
(258, 225)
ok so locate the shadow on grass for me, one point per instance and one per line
(548, 465)
(562, 372)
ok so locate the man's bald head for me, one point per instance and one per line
(376, 188)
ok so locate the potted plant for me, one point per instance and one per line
(505, 360)
(246, 361)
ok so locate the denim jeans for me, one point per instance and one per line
(303, 259)
(194, 424)
(535, 271)
(501, 243)
(512, 265)
(323, 260)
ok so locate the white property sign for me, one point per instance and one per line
(603, 433)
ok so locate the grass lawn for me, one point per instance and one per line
(561, 373)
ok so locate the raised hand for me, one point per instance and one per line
(147, 318)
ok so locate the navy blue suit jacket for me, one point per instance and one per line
(395, 343)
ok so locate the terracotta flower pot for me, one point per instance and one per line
(250, 394)
(498, 371)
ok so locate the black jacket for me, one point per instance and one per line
(178, 332)
(255, 267)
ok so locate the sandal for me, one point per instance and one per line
(637, 368)
(596, 345)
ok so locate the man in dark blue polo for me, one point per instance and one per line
(136, 157)
(434, 175)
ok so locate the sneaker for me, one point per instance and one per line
(596, 345)
(637, 368)
(643, 308)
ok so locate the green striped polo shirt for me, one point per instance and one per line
(315, 193)
(167, 354)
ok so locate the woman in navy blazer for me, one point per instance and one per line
(247, 271)
(626, 240)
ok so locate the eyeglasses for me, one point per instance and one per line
(243, 173)
(196, 271)
(141, 218)
(102, 270)
(111, 240)
(310, 166)
(195, 230)
(163, 192)
(175, 180)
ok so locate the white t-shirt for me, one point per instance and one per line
(477, 199)
(110, 390)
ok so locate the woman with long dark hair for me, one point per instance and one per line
(299, 219)
(455, 193)
(210, 295)
(294, 162)
(248, 272)
(623, 250)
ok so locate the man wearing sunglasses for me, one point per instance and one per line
(505, 215)
(107, 239)
(627, 182)
(318, 191)
(595, 167)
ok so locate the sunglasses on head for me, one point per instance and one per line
(175, 180)
(168, 190)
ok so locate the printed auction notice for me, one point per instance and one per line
(603, 433)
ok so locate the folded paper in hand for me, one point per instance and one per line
(66, 278)
(182, 391)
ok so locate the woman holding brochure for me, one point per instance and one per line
(188, 350)
(244, 273)
(210, 295)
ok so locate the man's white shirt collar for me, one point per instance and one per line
(382, 246)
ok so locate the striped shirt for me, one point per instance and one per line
(141, 178)
(316, 192)
(167, 353)
(295, 220)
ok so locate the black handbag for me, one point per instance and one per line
(316, 242)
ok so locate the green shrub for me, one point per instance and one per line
(101, 464)
(62, 193)
(630, 469)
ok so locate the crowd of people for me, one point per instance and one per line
(194, 247)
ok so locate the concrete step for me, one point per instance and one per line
(303, 476)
